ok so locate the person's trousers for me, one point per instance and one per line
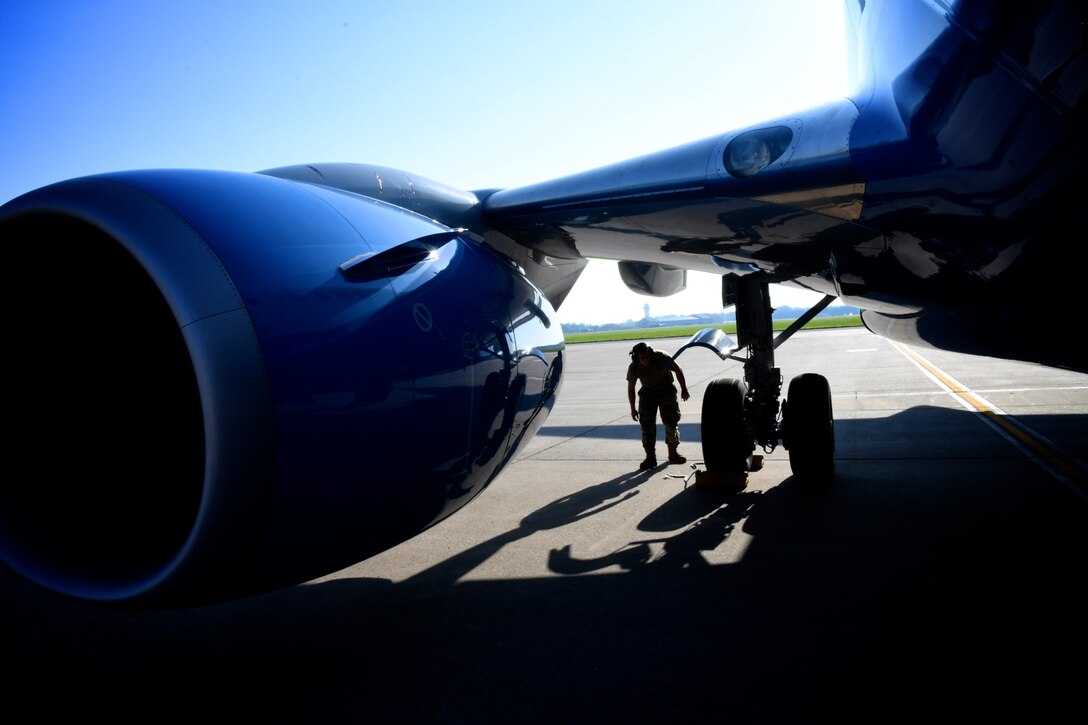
(649, 405)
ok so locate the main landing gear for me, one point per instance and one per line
(741, 415)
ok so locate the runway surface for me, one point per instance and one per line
(939, 575)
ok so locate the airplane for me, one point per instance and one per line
(219, 357)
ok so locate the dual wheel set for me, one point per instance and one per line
(806, 428)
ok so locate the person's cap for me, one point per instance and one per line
(639, 349)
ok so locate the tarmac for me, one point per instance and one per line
(939, 575)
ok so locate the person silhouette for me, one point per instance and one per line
(655, 371)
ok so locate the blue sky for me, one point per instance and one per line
(473, 94)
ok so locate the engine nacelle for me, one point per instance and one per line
(654, 280)
(228, 383)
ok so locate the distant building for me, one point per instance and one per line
(676, 320)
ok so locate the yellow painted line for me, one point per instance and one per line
(1060, 465)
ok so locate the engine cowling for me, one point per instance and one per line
(229, 383)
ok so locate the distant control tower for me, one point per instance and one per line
(646, 311)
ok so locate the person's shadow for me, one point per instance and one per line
(701, 518)
(568, 509)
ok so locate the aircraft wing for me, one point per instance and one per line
(231, 352)
(939, 197)
(703, 207)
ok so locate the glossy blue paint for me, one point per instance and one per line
(308, 381)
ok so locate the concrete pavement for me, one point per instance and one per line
(939, 575)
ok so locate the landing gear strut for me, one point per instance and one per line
(739, 415)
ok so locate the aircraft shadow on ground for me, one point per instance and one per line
(904, 587)
(915, 432)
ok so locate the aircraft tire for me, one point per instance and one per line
(726, 441)
(808, 425)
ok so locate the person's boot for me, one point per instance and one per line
(650, 462)
(675, 457)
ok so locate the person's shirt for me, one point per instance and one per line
(655, 376)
